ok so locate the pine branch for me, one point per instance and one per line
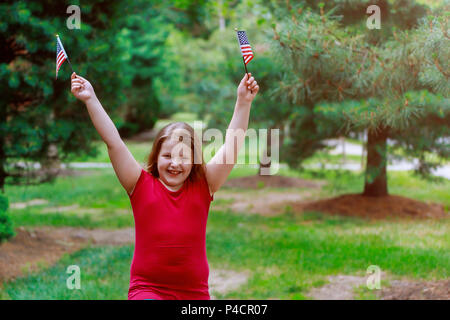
(364, 61)
(436, 62)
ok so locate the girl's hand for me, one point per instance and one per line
(248, 88)
(81, 88)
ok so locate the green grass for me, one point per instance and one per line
(104, 274)
(140, 151)
(111, 199)
(98, 190)
(285, 256)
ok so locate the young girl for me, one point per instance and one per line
(171, 197)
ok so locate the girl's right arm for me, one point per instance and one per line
(126, 167)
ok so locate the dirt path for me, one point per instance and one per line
(40, 247)
(74, 208)
(37, 247)
(222, 281)
(265, 195)
(258, 202)
(342, 287)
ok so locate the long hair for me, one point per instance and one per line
(185, 134)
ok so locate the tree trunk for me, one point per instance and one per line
(51, 164)
(264, 167)
(265, 164)
(375, 176)
(221, 17)
(363, 151)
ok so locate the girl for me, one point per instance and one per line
(171, 198)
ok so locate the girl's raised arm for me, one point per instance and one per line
(126, 167)
(220, 166)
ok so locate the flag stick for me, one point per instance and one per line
(70, 63)
(245, 66)
(246, 71)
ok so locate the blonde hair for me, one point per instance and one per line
(198, 169)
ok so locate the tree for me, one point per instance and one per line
(38, 111)
(40, 121)
(211, 68)
(338, 83)
(6, 228)
(147, 61)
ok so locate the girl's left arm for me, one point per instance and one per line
(220, 166)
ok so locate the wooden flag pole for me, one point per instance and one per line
(70, 64)
(245, 66)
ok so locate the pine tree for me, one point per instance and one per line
(338, 83)
(39, 118)
(37, 110)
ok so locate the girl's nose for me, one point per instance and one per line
(176, 161)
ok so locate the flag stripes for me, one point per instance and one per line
(61, 55)
(246, 49)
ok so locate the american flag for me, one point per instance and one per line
(61, 54)
(246, 49)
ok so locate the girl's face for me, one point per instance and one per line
(174, 163)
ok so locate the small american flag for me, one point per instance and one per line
(246, 49)
(61, 54)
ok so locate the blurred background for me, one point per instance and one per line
(363, 115)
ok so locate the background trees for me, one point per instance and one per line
(40, 120)
(323, 74)
(338, 82)
(37, 110)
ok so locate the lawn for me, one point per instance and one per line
(284, 256)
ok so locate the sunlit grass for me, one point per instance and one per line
(101, 189)
(284, 256)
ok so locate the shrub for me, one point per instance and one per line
(6, 226)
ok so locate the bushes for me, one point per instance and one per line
(6, 227)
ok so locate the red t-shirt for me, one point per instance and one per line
(169, 260)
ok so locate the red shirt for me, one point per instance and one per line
(169, 260)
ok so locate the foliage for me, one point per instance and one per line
(338, 84)
(322, 73)
(113, 49)
(6, 226)
(38, 110)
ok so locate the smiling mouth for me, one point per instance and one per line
(174, 172)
